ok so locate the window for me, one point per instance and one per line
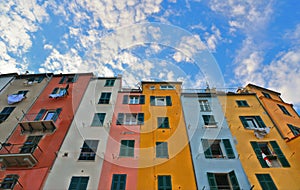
(267, 95)
(130, 119)
(295, 130)
(164, 182)
(98, 119)
(79, 183)
(9, 181)
(109, 82)
(59, 92)
(167, 87)
(162, 150)
(35, 80)
(30, 144)
(24, 92)
(68, 79)
(252, 122)
(133, 99)
(48, 115)
(152, 87)
(209, 120)
(269, 154)
(284, 110)
(215, 148)
(163, 122)
(266, 182)
(242, 103)
(223, 181)
(5, 113)
(118, 182)
(160, 101)
(88, 150)
(204, 105)
(104, 99)
(127, 148)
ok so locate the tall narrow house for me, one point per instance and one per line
(216, 161)
(120, 166)
(79, 161)
(30, 151)
(164, 154)
(266, 158)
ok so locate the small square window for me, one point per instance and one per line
(79, 183)
(167, 87)
(118, 182)
(267, 95)
(295, 130)
(204, 105)
(5, 113)
(127, 148)
(98, 119)
(88, 150)
(9, 181)
(223, 180)
(162, 150)
(164, 182)
(284, 110)
(209, 120)
(163, 122)
(104, 98)
(109, 82)
(252, 122)
(266, 181)
(242, 103)
(160, 101)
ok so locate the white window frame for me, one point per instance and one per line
(167, 87)
(134, 99)
(160, 101)
(130, 119)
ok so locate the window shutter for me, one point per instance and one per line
(131, 148)
(244, 121)
(239, 103)
(234, 181)
(74, 182)
(168, 100)
(212, 181)
(125, 99)
(58, 110)
(279, 154)
(54, 91)
(260, 122)
(228, 149)
(40, 79)
(152, 100)
(266, 181)
(140, 119)
(206, 148)
(75, 78)
(62, 79)
(120, 118)
(7, 110)
(258, 153)
(142, 99)
(40, 115)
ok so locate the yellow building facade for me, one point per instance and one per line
(267, 160)
(284, 116)
(164, 157)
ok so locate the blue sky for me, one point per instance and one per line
(248, 41)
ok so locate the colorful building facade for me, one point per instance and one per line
(216, 161)
(164, 158)
(32, 148)
(266, 158)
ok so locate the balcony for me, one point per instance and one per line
(44, 123)
(16, 155)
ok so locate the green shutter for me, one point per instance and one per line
(206, 148)
(258, 153)
(228, 149)
(75, 78)
(260, 122)
(279, 154)
(62, 79)
(120, 118)
(40, 115)
(239, 103)
(152, 100)
(58, 110)
(234, 181)
(125, 99)
(168, 100)
(142, 99)
(140, 119)
(55, 90)
(266, 182)
(212, 181)
(244, 121)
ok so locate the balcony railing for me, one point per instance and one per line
(19, 155)
(31, 123)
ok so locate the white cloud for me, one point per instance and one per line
(19, 19)
(212, 39)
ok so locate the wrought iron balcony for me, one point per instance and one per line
(40, 122)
